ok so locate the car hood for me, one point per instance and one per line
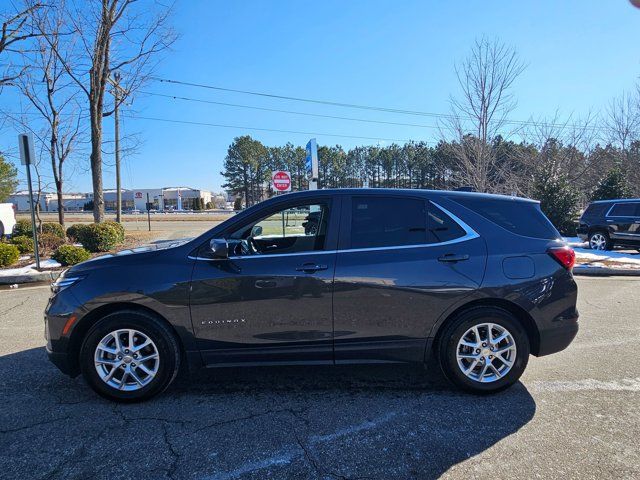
(129, 255)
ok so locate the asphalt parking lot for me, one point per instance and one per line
(574, 415)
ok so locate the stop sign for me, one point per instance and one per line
(281, 181)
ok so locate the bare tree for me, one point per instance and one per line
(113, 35)
(48, 88)
(16, 29)
(622, 119)
(480, 113)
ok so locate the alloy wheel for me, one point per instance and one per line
(486, 352)
(126, 359)
(598, 241)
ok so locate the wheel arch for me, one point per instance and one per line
(514, 309)
(81, 329)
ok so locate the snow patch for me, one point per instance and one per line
(29, 269)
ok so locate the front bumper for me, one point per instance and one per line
(63, 362)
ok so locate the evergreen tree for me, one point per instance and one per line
(8, 179)
(558, 200)
(613, 185)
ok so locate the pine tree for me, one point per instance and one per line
(558, 200)
(612, 185)
(8, 179)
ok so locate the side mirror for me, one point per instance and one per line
(219, 247)
(256, 231)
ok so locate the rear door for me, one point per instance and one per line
(401, 262)
(624, 221)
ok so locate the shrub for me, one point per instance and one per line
(24, 243)
(119, 228)
(75, 232)
(53, 228)
(100, 237)
(48, 242)
(23, 228)
(70, 255)
(9, 254)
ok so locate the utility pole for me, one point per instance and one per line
(116, 118)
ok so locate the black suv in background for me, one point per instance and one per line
(609, 223)
(326, 277)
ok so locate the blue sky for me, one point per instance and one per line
(398, 54)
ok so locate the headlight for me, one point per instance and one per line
(63, 282)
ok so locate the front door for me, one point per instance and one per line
(270, 301)
(401, 262)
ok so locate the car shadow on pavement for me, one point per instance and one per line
(286, 422)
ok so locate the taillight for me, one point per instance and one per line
(565, 256)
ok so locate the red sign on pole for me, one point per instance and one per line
(281, 181)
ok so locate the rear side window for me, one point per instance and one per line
(624, 210)
(387, 222)
(442, 228)
(521, 218)
(596, 210)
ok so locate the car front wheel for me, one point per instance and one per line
(484, 350)
(129, 356)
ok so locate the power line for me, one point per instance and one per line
(200, 100)
(299, 99)
(447, 116)
(239, 127)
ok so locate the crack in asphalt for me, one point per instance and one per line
(37, 424)
(14, 307)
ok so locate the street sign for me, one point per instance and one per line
(27, 152)
(311, 163)
(281, 181)
(27, 157)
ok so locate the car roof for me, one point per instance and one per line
(431, 194)
(618, 200)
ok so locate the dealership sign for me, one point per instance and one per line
(281, 181)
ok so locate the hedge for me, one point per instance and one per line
(53, 228)
(119, 228)
(48, 242)
(100, 237)
(75, 232)
(24, 243)
(23, 228)
(70, 255)
(9, 254)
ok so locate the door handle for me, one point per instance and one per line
(452, 257)
(265, 284)
(310, 268)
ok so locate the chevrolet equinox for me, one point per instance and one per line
(349, 276)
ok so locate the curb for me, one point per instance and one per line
(606, 272)
(48, 276)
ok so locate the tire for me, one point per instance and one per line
(600, 240)
(146, 327)
(454, 332)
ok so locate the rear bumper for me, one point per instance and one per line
(559, 336)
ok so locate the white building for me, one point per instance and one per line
(168, 198)
(48, 201)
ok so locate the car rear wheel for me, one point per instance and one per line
(600, 241)
(484, 350)
(129, 356)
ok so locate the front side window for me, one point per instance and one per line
(387, 222)
(625, 210)
(296, 229)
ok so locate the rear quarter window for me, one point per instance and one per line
(596, 210)
(521, 218)
(628, 209)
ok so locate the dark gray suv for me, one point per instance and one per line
(326, 277)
